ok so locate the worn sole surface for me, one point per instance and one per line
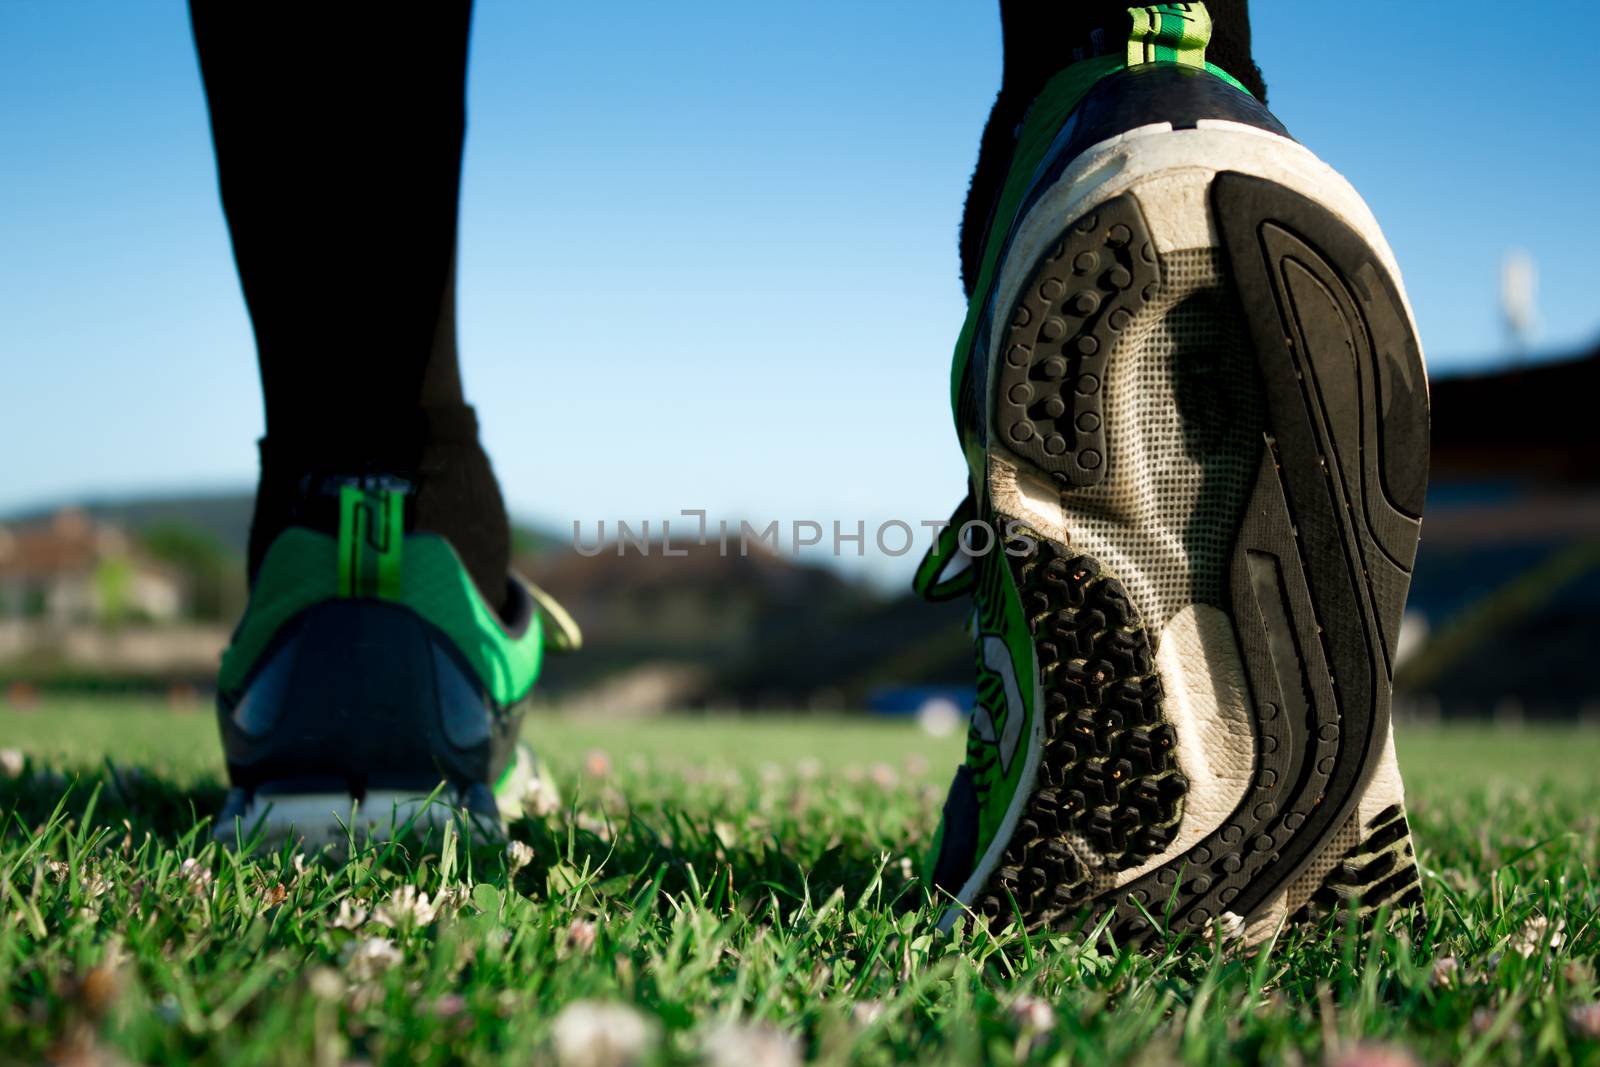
(1314, 585)
(1107, 777)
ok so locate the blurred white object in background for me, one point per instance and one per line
(1519, 283)
(939, 717)
(1413, 635)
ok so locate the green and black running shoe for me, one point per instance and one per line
(1195, 416)
(369, 687)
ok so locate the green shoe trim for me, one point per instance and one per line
(1002, 721)
(1048, 113)
(930, 581)
(303, 568)
(371, 535)
(1169, 33)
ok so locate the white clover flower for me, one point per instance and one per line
(325, 983)
(589, 1033)
(196, 874)
(745, 1045)
(12, 761)
(1446, 971)
(405, 907)
(350, 916)
(1585, 1018)
(1536, 935)
(598, 825)
(1228, 926)
(580, 936)
(449, 1005)
(366, 960)
(449, 899)
(518, 855)
(540, 798)
(1373, 1054)
(1033, 1015)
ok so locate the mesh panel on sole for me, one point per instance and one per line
(1183, 424)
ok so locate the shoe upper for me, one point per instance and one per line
(369, 660)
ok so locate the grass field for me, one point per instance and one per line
(737, 892)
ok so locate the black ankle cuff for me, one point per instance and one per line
(433, 455)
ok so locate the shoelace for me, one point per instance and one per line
(560, 629)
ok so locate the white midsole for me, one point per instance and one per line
(320, 819)
(1169, 172)
(331, 818)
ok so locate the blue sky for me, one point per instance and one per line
(708, 250)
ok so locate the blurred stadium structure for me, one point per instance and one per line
(1506, 598)
(1503, 620)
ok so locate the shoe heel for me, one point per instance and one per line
(362, 695)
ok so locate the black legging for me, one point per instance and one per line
(338, 145)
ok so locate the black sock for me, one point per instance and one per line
(1040, 40)
(338, 132)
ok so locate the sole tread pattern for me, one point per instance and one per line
(1380, 871)
(1085, 291)
(1108, 783)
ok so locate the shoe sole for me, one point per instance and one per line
(321, 820)
(317, 821)
(1283, 716)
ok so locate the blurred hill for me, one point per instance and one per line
(224, 517)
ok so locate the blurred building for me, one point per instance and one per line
(72, 569)
(82, 605)
(1504, 616)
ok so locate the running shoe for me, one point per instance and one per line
(1195, 417)
(370, 690)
